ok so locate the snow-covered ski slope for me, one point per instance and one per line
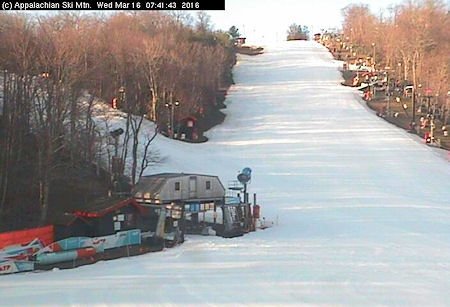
(363, 207)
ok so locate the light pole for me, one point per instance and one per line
(431, 114)
(116, 161)
(399, 65)
(171, 106)
(447, 109)
(373, 56)
(4, 111)
(122, 97)
(413, 121)
(388, 94)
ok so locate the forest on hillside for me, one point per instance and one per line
(56, 67)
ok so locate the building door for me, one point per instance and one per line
(193, 187)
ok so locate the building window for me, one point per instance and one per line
(177, 186)
(129, 219)
(208, 185)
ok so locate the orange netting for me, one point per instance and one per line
(45, 234)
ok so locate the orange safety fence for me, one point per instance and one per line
(45, 234)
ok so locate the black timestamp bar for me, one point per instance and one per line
(184, 5)
(113, 5)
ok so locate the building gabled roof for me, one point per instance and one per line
(153, 184)
(173, 175)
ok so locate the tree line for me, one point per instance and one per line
(412, 41)
(56, 67)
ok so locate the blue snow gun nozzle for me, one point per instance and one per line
(245, 175)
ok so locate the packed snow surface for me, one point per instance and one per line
(362, 208)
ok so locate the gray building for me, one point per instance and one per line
(193, 202)
(166, 188)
